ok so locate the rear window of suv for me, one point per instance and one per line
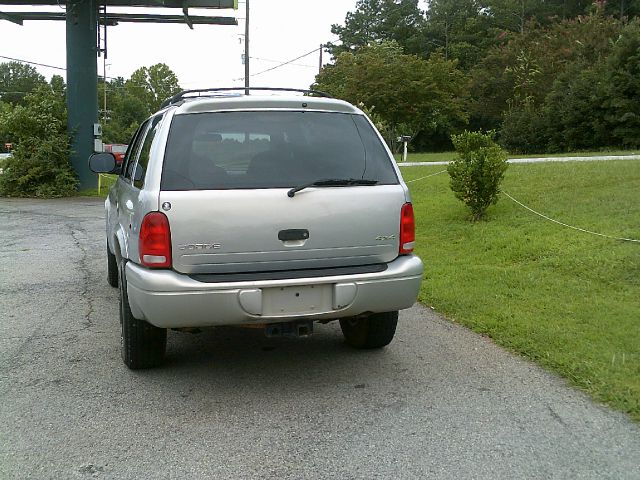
(236, 150)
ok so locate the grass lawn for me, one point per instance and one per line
(447, 156)
(566, 299)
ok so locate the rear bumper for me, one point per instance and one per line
(171, 300)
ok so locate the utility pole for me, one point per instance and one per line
(320, 65)
(246, 49)
(104, 87)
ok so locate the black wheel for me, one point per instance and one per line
(375, 331)
(142, 345)
(112, 269)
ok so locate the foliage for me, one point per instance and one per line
(459, 29)
(477, 171)
(375, 21)
(380, 123)
(125, 112)
(407, 92)
(153, 85)
(5, 136)
(623, 75)
(524, 130)
(39, 168)
(17, 80)
(522, 72)
(130, 102)
(577, 104)
(547, 75)
(40, 164)
(463, 30)
(591, 103)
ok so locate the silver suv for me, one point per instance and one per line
(271, 211)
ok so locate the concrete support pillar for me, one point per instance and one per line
(82, 85)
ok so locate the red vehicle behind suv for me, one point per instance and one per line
(118, 150)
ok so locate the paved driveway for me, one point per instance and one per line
(440, 402)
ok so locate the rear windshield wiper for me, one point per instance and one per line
(331, 182)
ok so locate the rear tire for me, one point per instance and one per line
(112, 269)
(142, 345)
(375, 331)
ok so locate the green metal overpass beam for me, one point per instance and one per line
(136, 3)
(82, 85)
(116, 18)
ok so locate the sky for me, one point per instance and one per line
(209, 55)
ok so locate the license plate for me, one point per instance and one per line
(302, 300)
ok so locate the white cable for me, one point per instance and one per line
(422, 178)
(569, 226)
(542, 215)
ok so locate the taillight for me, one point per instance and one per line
(407, 229)
(155, 241)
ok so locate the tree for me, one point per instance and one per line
(17, 80)
(622, 8)
(130, 102)
(407, 92)
(125, 111)
(623, 75)
(5, 136)
(519, 74)
(374, 21)
(153, 85)
(58, 85)
(460, 29)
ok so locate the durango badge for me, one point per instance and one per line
(200, 246)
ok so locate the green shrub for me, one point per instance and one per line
(40, 164)
(39, 168)
(477, 171)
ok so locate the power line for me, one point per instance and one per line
(32, 63)
(283, 63)
(41, 64)
(286, 63)
(279, 61)
(62, 68)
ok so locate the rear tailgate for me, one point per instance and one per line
(246, 230)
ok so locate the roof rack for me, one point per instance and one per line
(183, 94)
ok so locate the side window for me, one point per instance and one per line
(145, 150)
(132, 153)
(129, 154)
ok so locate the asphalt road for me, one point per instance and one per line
(439, 402)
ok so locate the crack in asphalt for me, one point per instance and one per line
(84, 271)
(556, 416)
